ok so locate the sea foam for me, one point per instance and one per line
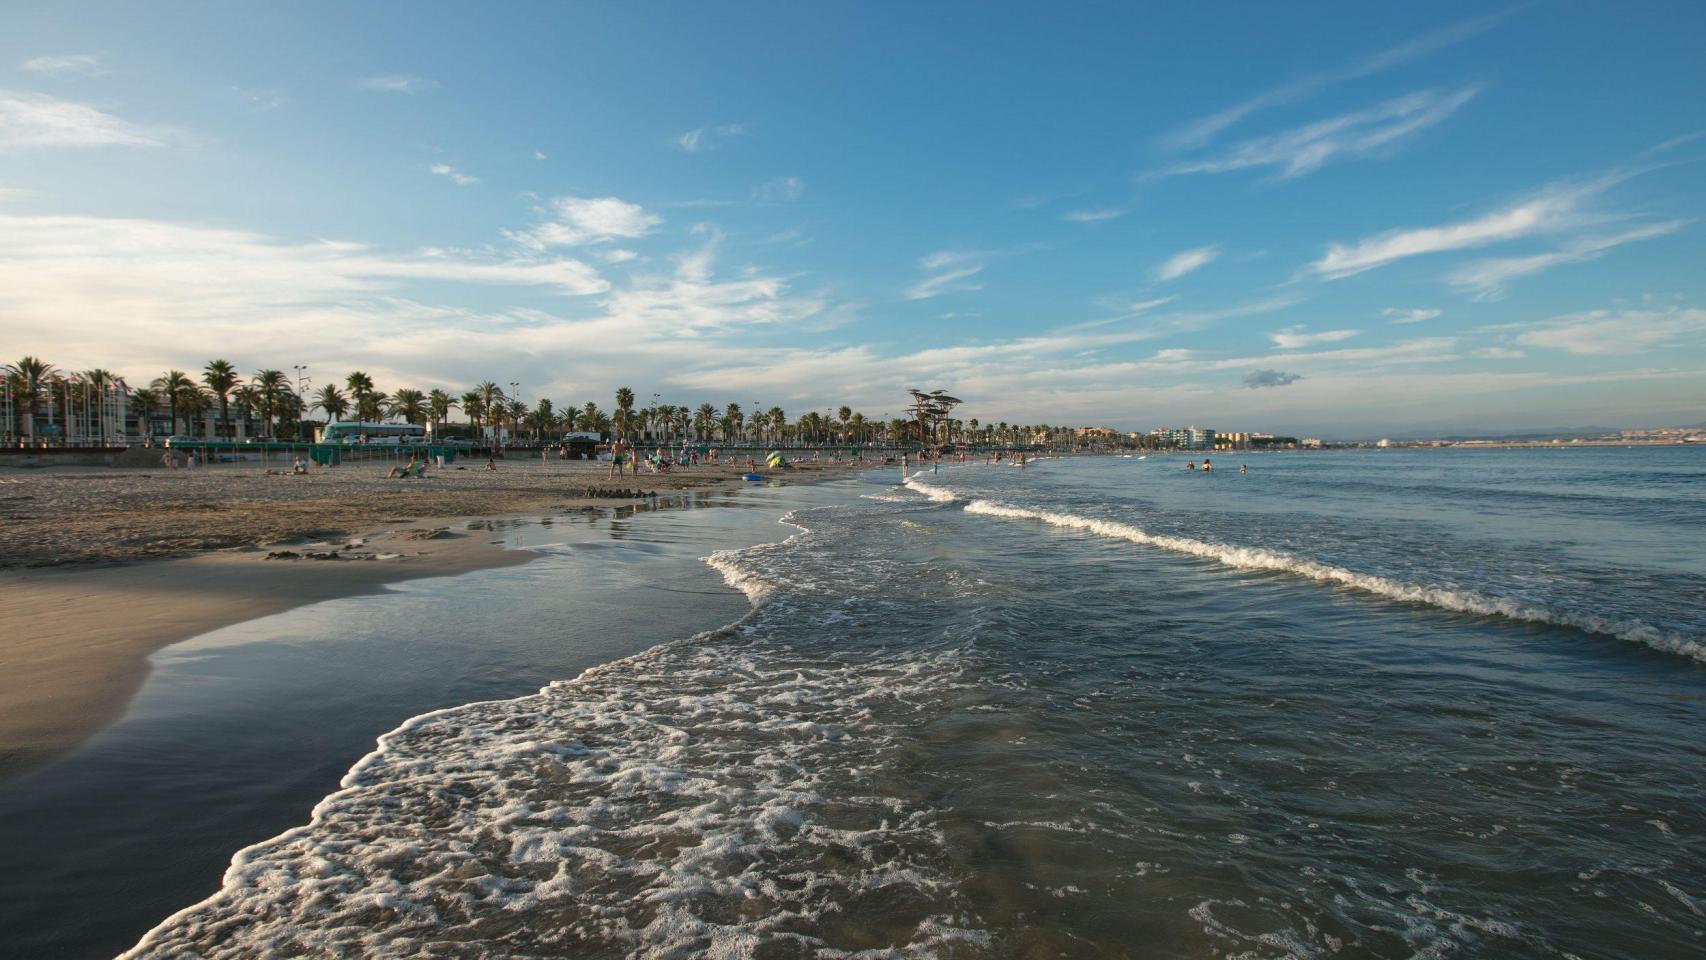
(1258, 558)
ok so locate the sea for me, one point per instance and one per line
(1371, 703)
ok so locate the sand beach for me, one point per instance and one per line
(100, 567)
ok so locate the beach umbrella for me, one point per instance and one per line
(776, 459)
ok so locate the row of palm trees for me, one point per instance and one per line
(267, 401)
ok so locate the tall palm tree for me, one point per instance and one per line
(270, 387)
(410, 404)
(143, 403)
(704, 420)
(247, 399)
(171, 386)
(591, 418)
(732, 422)
(473, 409)
(100, 383)
(491, 398)
(332, 400)
(624, 410)
(31, 374)
(438, 407)
(221, 377)
(360, 389)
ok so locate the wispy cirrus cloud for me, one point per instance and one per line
(1184, 262)
(1095, 215)
(1619, 332)
(66, 65)
(396, 83)
(1297, 337)
(1486, 279)
(453, 175)
(1410, 315)
(780, 190)
(1354, 135)
(1201, 131)
(1553, 209)
(574, 221)
(710, 137)
(950, 271)
(38, 120)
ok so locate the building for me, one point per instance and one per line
(1184, 438)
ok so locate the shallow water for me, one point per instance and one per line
(236, 734)
(1343, 705)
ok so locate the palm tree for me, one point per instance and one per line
(731, 422)
(704, 420)
(143, 403)
(360, 388)
(271, 386)
(101, 382)
(857, 427)
(221, 377)
(31, 373)
(438, 406)
(517, 411)
(624, 410)
(543, 418)
(591, 418)
(171, 386)
(332, 401)
(409, 404)
(247, 398)
(491, 398)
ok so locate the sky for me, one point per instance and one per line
(1325, 219)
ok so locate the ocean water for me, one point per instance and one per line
(1385, 704)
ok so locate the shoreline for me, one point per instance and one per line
(82, 633)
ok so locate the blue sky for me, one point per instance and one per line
(1340, 220)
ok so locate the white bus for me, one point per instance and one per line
(354, 431)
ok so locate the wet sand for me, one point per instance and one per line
(107, 566)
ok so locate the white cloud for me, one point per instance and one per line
(1554, 209)
(1498, 353)
(573, 221)
(783, 189)
(1604, 332)
(1199, 132)
(66, 65)
(1094, 216)
(36, 120)
(1294, 338)
(950, 271)
(1185, 262)
(539, 155)
(454, 175)
(1410, 315)
(709, 138)
(617, 255)
(396, 83)
(1302, 150)
(1486, 279)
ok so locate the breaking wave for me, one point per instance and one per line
(1257, 558)
(713, 796)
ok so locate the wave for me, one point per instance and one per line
(708, 796)
(1258, 558)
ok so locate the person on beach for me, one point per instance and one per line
(299, 467)
(1191, 465)
(1206, 467)
(615, 469)
(1243, 469)
(491, 465)
(403, 472)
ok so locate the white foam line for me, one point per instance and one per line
(1461, 601)
(724, 561)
